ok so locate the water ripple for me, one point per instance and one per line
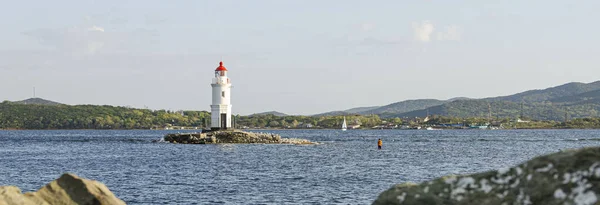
(346, 168)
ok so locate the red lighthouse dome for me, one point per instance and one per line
(221, 67)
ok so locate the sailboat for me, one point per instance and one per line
(344, 125)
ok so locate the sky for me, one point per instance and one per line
(297, 57)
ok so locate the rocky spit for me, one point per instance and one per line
(234, 136)
(569, 177)
(66, 190)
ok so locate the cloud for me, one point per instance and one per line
(367, 26)
(82, 40)
(96, 28)
(452, 33)
(94, 46)
(90, 39)
(423, 31)
(118, 21)
(153, 19)
(379, 42)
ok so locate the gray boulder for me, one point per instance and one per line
(568, 177)
(66, 190)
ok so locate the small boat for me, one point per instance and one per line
(344, 125)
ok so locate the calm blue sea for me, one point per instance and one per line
(346, 168)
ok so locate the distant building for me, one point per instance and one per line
(307, 125)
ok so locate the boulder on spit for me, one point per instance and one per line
(566, 177)
(66, 190)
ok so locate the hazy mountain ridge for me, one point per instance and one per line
(582, 98)
(507, 109)
(459, 98)
(405, 106)
(574, 99)
(333, 113)
(278, 114)
(397, 107)
(541, 95)
(37, 101)
(361, 109)
(351, 111)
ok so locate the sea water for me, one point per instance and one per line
(345, 168)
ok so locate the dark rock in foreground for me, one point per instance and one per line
(567, 177)
(231, 137)
(66, 190)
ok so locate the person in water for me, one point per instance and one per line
(379, 143)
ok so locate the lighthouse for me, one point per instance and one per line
(220, 109)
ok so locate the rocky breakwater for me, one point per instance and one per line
(567, 177)
(66, 190)
(231, 137)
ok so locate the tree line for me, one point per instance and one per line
(21, 116)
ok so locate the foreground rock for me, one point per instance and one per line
(568, 177)
(231, 137)
(66, 190)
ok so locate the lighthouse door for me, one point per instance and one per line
(223, 121)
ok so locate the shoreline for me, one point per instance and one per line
(436, 129)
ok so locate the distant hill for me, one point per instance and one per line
(333, 113)
(459, 98)
(404, 106)
(507, 109)
(37, 101)
(361, 109)
(278, 114)
(582, 98)
(352, 111)
(573, 99)
(391, 109)
(547, 94)
(467, 108)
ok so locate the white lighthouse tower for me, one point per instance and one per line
(220, 109)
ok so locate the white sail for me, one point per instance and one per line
(344, 124)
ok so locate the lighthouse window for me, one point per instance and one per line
(223, 93)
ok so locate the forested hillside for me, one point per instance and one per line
(547, 94)
(507, 109)
(560, 103)
(404, 106)
(28, 116)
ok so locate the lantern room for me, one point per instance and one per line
(221, 70)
